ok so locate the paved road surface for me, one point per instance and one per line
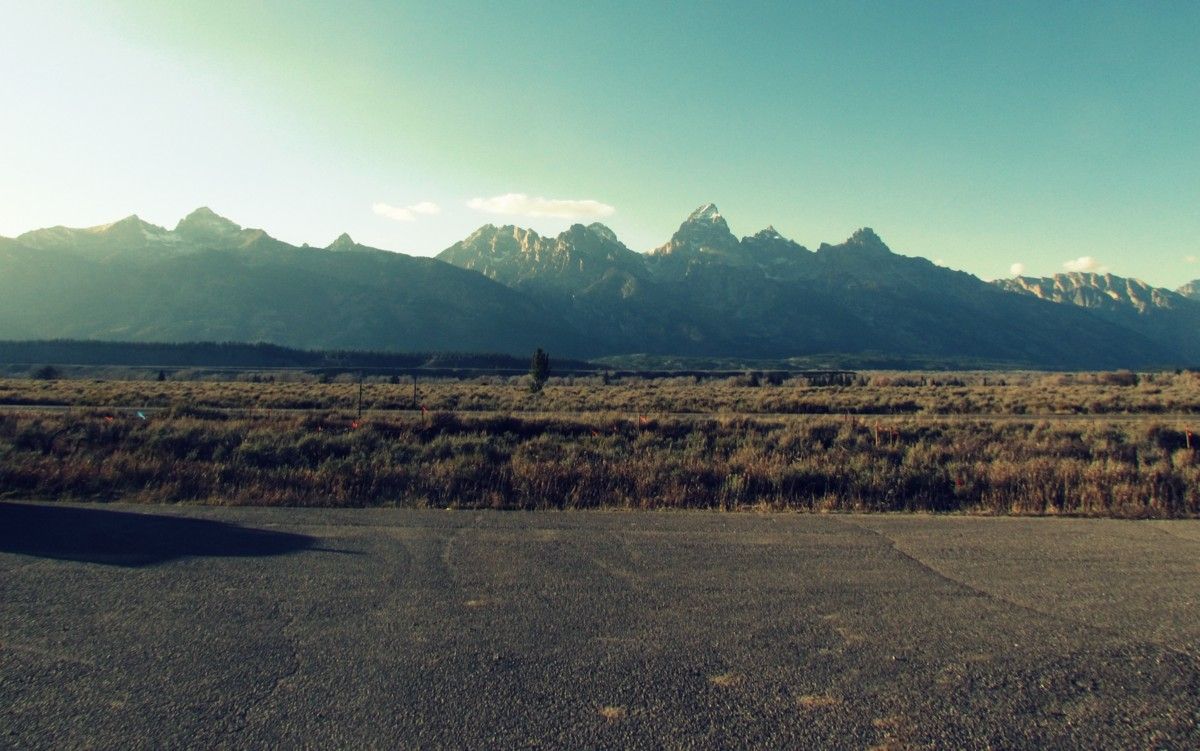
(206, 628)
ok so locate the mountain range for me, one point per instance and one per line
(703, 293)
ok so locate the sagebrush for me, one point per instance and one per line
(599, 460)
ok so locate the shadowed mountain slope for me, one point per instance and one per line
(583, 293)
(1170, 319)
(705, 292)
(210, 280)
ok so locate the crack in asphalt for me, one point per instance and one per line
(705, 630)
(1101, 630)
(52, 654)
(1175, 535)
(254, 707)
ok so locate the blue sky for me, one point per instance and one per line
(980, 135)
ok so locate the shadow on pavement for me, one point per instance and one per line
(122, 538)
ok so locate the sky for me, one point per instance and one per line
(996, 138)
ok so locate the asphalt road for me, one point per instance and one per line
(125, 627)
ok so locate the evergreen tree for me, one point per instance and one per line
(539, 371)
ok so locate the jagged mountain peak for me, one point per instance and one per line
(1104, 280)
(130, 225)
(483, 231)
(579, 234)
(129, 233)
(1096, 279)
(596, 228)
(525, 238)
(703, 232)
(706, 213)
(779, 257)
(866, 236)
(1095, 290)
(572, 260)
(493, 242)
(770, 238)
(863, 240)
(343, 242)
(205, 221)
(489, 231)
(705, 221)
(762, 296)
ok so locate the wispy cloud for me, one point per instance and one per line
(406, 213)
(1191, 259)
(1017, 269)
(1084, 263)
(519, 204)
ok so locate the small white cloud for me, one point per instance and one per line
(1017, 269)
(519, 204)
(426, 207)
(1191, 259)
(406, 213)
(1084, 263)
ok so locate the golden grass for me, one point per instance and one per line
(596, 459)
(928, 394)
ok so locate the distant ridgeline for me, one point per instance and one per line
(705, 294)
(248, 356)
(22, 356)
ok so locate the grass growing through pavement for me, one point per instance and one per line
(824, 463)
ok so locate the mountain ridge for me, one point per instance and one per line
(218, 281)
(705, 290)
(584, 293)
(1163, 315)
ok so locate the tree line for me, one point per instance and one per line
(245, 355)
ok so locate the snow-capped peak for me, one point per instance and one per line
(706, 213)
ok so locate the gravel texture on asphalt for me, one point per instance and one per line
(203, 627)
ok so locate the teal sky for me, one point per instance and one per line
(976, 134)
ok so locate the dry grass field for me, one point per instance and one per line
(875, 393)
(976, 443)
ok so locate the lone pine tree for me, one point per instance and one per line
(539, 371)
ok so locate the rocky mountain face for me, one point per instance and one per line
(1171, 319)
(1191, 290)
(517, 257)
(705, 292)
(703, 239)
(212, 280)
(1099, 291)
